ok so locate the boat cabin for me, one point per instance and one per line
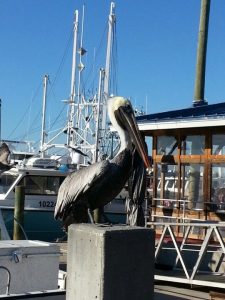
(41, 181)
(188, 154)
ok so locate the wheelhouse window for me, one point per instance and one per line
(41, 185)
(166, 145)
(6, 181)
(193, 145)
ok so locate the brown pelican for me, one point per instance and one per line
(4, 158)
(96, 185)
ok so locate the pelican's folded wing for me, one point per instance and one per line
(77, 184)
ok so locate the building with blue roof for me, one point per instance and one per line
(188, 155)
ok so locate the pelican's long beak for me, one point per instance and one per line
(128, 121)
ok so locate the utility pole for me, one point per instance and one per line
(201, 54)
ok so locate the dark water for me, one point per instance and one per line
(41, 225)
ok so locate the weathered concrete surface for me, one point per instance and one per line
(110, 263)
(33, 266)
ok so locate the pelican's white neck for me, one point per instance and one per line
(125, 140)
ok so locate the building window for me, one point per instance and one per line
(166, 145)
(192, 185)
(218, 144)
(218, 187)
(167, 185)
(193, 145)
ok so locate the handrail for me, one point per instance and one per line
(201, 223)
(172, 200)
(21, 227)
(192, 271)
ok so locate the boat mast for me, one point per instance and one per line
(70, 130)
(43, 133)
(81, 52)
(99, 101)
(86, 126)
(111, 23)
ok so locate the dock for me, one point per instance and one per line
(63, 255)
(165, 290)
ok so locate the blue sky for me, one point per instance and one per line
(156, 55)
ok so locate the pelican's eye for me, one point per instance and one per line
(128, 108)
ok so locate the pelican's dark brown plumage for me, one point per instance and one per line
(98, 184)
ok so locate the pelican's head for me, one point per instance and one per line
(121, 115)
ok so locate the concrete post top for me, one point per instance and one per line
(110, 262)
(103, 229)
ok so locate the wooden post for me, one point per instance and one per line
(18, 212)
(98, 212)
(201, 52)
(96, 216)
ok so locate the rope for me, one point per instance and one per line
(21, 227)
(25, 113)
(9, 279)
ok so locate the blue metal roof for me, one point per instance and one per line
(206, 110)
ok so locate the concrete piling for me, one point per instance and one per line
(110, 262)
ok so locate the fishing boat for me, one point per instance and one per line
(41, 178)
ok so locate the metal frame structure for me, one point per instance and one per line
(87, 128)
(181, 272)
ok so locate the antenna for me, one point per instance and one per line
(43, 133)
(146, 103)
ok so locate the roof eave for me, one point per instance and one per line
(181, 123)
